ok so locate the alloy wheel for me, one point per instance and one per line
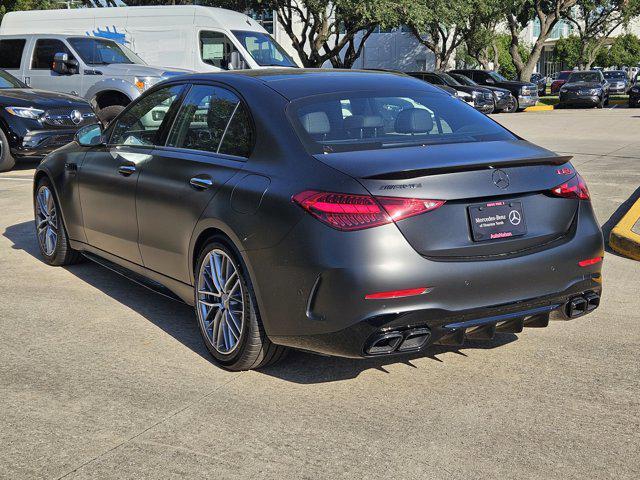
(220, 298)
(46, 221)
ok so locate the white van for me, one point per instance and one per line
(189, 37)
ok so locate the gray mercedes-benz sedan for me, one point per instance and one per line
(343, 212)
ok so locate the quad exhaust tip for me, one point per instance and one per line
(582, 304)
(396, 341)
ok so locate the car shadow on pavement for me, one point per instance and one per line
(178, 320)
(616, 217)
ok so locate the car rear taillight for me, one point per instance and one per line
(346, 211)
(574, 188)
(410, 292)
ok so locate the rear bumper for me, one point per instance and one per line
(311, 288)
(375, 336)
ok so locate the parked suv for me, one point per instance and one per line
(502, 98)
(33, 122)
(105, 73)
(478, 97)
(525, 93)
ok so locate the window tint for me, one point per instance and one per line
(94, 51)
(216, 49)
(365, 121)
(239, 137)
(263, 49)
(141, 123)
(9, 81)
(11, 53)
(203, 118)
(45, 51)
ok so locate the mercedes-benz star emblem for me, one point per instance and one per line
(76, 117)
(500, 179)
(514, 217)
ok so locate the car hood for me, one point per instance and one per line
(28, 97)
(136, 70)
(580, 85)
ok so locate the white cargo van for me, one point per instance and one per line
(189, 37)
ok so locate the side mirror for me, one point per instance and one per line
(489, 80)
(236, 62)
(63, 65)
(90, 136)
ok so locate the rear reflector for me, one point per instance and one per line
(574, 188)
(397, 293)
(346, 211)
(590, 261)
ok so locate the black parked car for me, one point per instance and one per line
(525, 93)
(502, 98)
(541, 82)
(587, 88)
(351, 213)
(35, 122)
(478, 97)
(634, 96)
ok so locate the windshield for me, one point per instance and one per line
(263, 49)
(563, 75)
(9, 81)
(591, 77)
(497, 77)
(617, 75)
(350, 121)
(97, 51)
(449, 79)
(464, 79)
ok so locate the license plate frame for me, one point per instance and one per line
(497, 220)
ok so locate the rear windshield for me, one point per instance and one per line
(351, 121)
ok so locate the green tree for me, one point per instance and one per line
(439, 25)
(594, 21)
(335, 31)
(506, 66)
(518, 15)
(569, 50)
(481, 37)
(624, 51)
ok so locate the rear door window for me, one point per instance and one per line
(45, 50)
(212, 119)
(11, 51)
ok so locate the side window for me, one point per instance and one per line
(44, 52)
(141, 123)
(11, 53)
(434, 80)
(216, 49)
(238, 139)
(204, 120)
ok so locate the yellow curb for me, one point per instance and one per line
(539, 108)
(622, 239)
(618, 102)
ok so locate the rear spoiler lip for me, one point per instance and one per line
(423, 172)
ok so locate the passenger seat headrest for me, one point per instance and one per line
(414, 120)
(316, 123)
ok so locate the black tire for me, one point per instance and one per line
(107, 114)
(63, 254)
(254, 349)
(7, 161)
(511, 107)
(606, 101)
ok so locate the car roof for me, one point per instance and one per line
(294, 83)
(53, 36)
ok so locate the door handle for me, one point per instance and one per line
(201, 183)
(126, 170)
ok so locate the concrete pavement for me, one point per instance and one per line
(99, 378)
